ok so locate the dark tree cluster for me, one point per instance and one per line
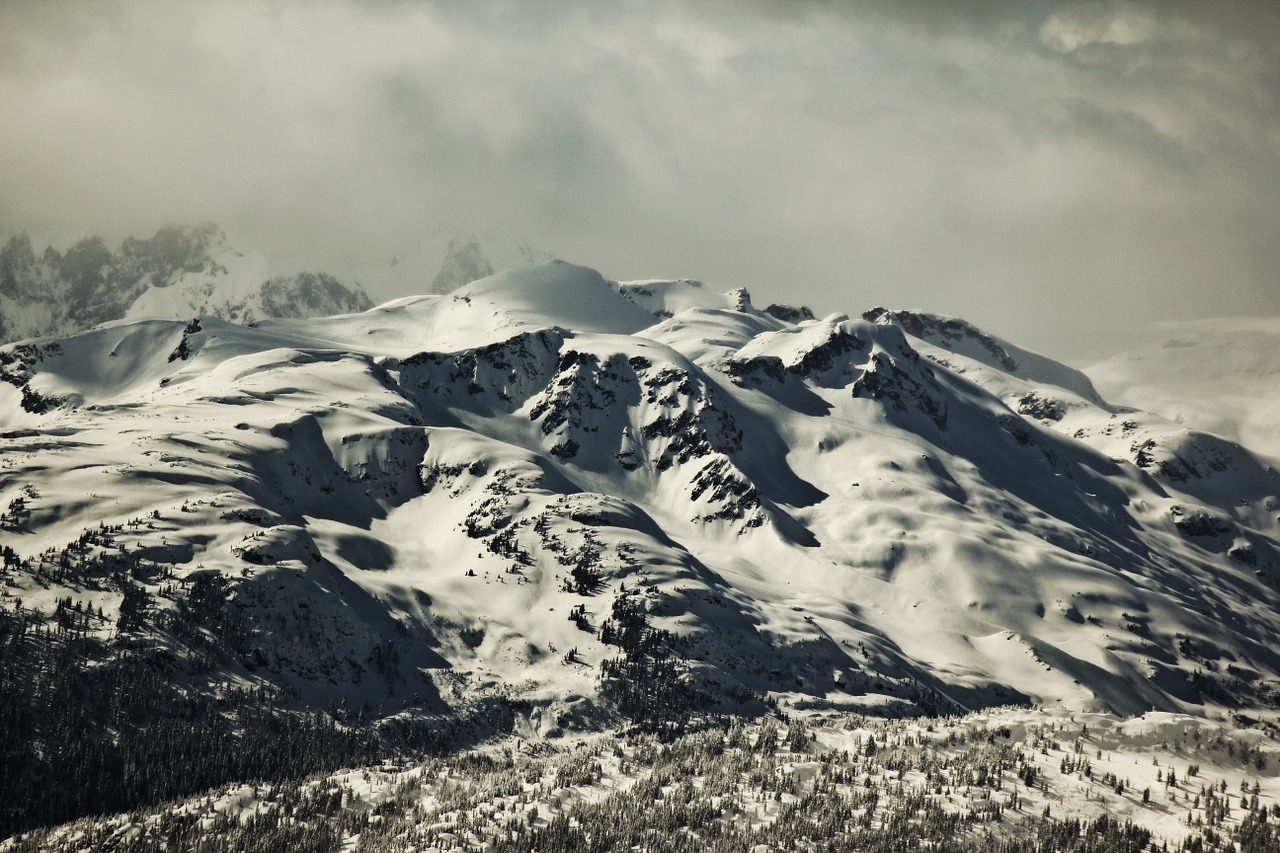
(648, 683)
(88, 726)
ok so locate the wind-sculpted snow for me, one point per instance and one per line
(556, 294)
(549, 500)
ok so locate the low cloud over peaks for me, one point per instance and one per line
(1053, 171)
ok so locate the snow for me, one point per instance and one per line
(557, 294)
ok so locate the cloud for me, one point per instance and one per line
(1054, 171)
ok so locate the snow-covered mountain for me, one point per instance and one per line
(837, 511)
(1221, 376)
(548, 499)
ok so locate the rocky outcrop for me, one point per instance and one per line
(1042, 407)
(940, 329)
(510, 370)
(789, 313)
(887, 381)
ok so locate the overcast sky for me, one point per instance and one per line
(1056, 172)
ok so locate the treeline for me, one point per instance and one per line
(766, 787)
(89, 727)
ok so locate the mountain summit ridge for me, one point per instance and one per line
(179, 272)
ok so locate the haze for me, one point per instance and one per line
(1060, 173)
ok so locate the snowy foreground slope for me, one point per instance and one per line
(1014, 780)
(548, 500)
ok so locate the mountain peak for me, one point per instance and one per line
(447, 260)
(464, 262)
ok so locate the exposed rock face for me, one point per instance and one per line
(814, 361)
(928, 326)
(608, 412)
(886, 379)
(1185, 456)
(509, 370)
(789, 313)
(1041, 406)
(834, 354)
(17, 364)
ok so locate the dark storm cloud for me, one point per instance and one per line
(1055, 171)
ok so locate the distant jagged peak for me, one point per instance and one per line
(464, 262)
(447, 259)
(182, 270)
(174, 249)
(90, 263)
(90, 283)
(23, 275)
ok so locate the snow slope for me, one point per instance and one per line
(547, 477)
